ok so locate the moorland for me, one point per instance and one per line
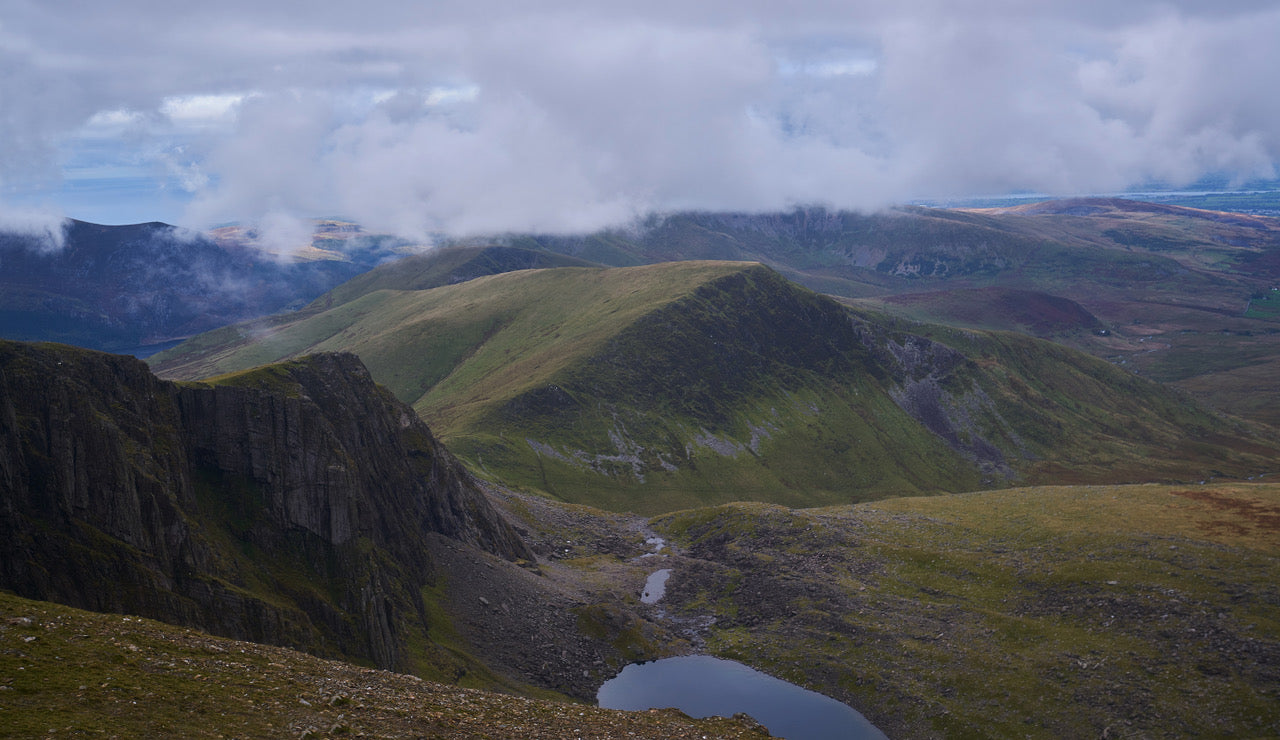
(975, 472)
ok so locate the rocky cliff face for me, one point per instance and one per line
(287, 505)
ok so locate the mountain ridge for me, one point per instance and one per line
(690, 383)
(138, 286)
(288, 508)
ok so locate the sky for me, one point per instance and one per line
(464, 117)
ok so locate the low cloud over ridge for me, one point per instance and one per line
(464, 118)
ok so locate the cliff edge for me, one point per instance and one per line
(288, 504)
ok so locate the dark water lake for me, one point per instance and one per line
(701, 686)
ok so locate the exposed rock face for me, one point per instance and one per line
(936, 386)
(287, 506)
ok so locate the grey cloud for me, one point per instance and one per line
(48, 227)
(565, 115)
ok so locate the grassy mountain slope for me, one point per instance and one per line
(444, 267)
(67, 671)
(1144, 611)
(464, 343)
(1181, 291)
(671, 385)
(1006, 309)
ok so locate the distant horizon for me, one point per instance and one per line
(1185, 198)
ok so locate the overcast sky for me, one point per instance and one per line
(469, 116)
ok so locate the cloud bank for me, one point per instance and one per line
(485, 116)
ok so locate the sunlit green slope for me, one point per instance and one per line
(665, 386)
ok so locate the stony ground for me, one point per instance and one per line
(1138, 612)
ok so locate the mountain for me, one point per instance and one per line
(678, 384)
(1185, 295)
(445, 266)
(291, 505)
(273, 501)
(1053, 244)
(131, 288)
(1007, 309)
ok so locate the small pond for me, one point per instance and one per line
(655, 587)
(701, 686)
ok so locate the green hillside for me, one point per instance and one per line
(444, 267)
(1005, 309)
(1081, 612)
(1181, 292)
(665, 386)
(462, 345)
(78, 673)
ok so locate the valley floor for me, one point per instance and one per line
(1092, 611)
(1133, 611)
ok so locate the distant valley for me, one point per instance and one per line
(141, 287)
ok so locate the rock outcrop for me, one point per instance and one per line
(288, 504)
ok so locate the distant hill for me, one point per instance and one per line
(135, 288)
(1009, 309)
(665, 386)
(445, 266)
(1182, 296)
(1039, 246)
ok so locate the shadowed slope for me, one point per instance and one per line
(288, 505)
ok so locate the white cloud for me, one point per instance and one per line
(202, 110)
(491, 115)
(445, 95)
(47, 225)
(112, 120)
(848, 67)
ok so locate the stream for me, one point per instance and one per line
(701, 686)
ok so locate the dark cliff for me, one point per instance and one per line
(289, 504)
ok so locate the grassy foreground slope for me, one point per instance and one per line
(1139, 611)
(65, 671)
(691, 383)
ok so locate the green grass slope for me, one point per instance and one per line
(665, 386)
(1137, 611)
(1180, 290)
(444, 267)
(70, 672)
(463, 344)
